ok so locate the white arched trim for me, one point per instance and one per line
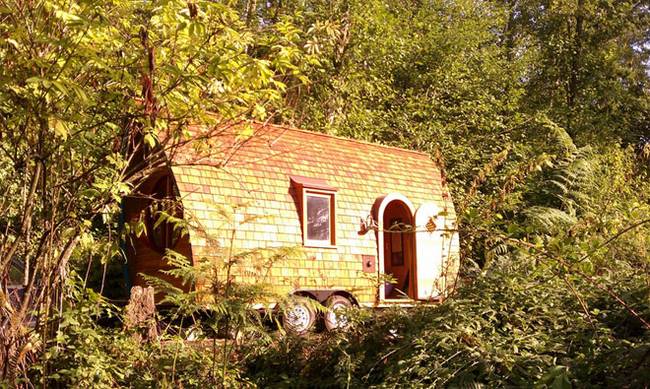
(380, 205)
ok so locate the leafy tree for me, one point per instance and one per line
(588, 64)
(87, 89)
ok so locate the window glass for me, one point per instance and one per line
(318, 217)
(396, 242)
(163, 233)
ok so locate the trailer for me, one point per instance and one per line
(376, 224)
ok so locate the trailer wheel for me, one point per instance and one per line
(299, 316)
(335, 317)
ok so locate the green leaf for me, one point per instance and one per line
(59, 127)
(67, 17)
(150, 140)
(246, 131)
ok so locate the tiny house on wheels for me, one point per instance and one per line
(375, 224)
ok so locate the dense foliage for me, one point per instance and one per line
(553, 304)
(538, 110)
(88, 88)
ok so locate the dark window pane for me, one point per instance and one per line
(163, 235)
(318, 218)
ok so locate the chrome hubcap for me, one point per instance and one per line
(336, 316)
(298, 317)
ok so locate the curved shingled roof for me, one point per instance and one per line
(258, 167)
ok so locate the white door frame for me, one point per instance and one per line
(383, 203)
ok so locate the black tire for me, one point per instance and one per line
(334, 321)
(299, 316)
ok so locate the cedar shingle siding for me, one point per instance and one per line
(258, 174)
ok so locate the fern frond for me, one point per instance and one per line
(572, 179)
(558, 133)
(549, 220)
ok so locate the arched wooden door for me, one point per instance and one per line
(398, 250)
(389, 251)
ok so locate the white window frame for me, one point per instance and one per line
(331, 195)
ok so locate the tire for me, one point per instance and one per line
(299, 316)
(334, 321)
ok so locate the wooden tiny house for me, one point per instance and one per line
(360, 211)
